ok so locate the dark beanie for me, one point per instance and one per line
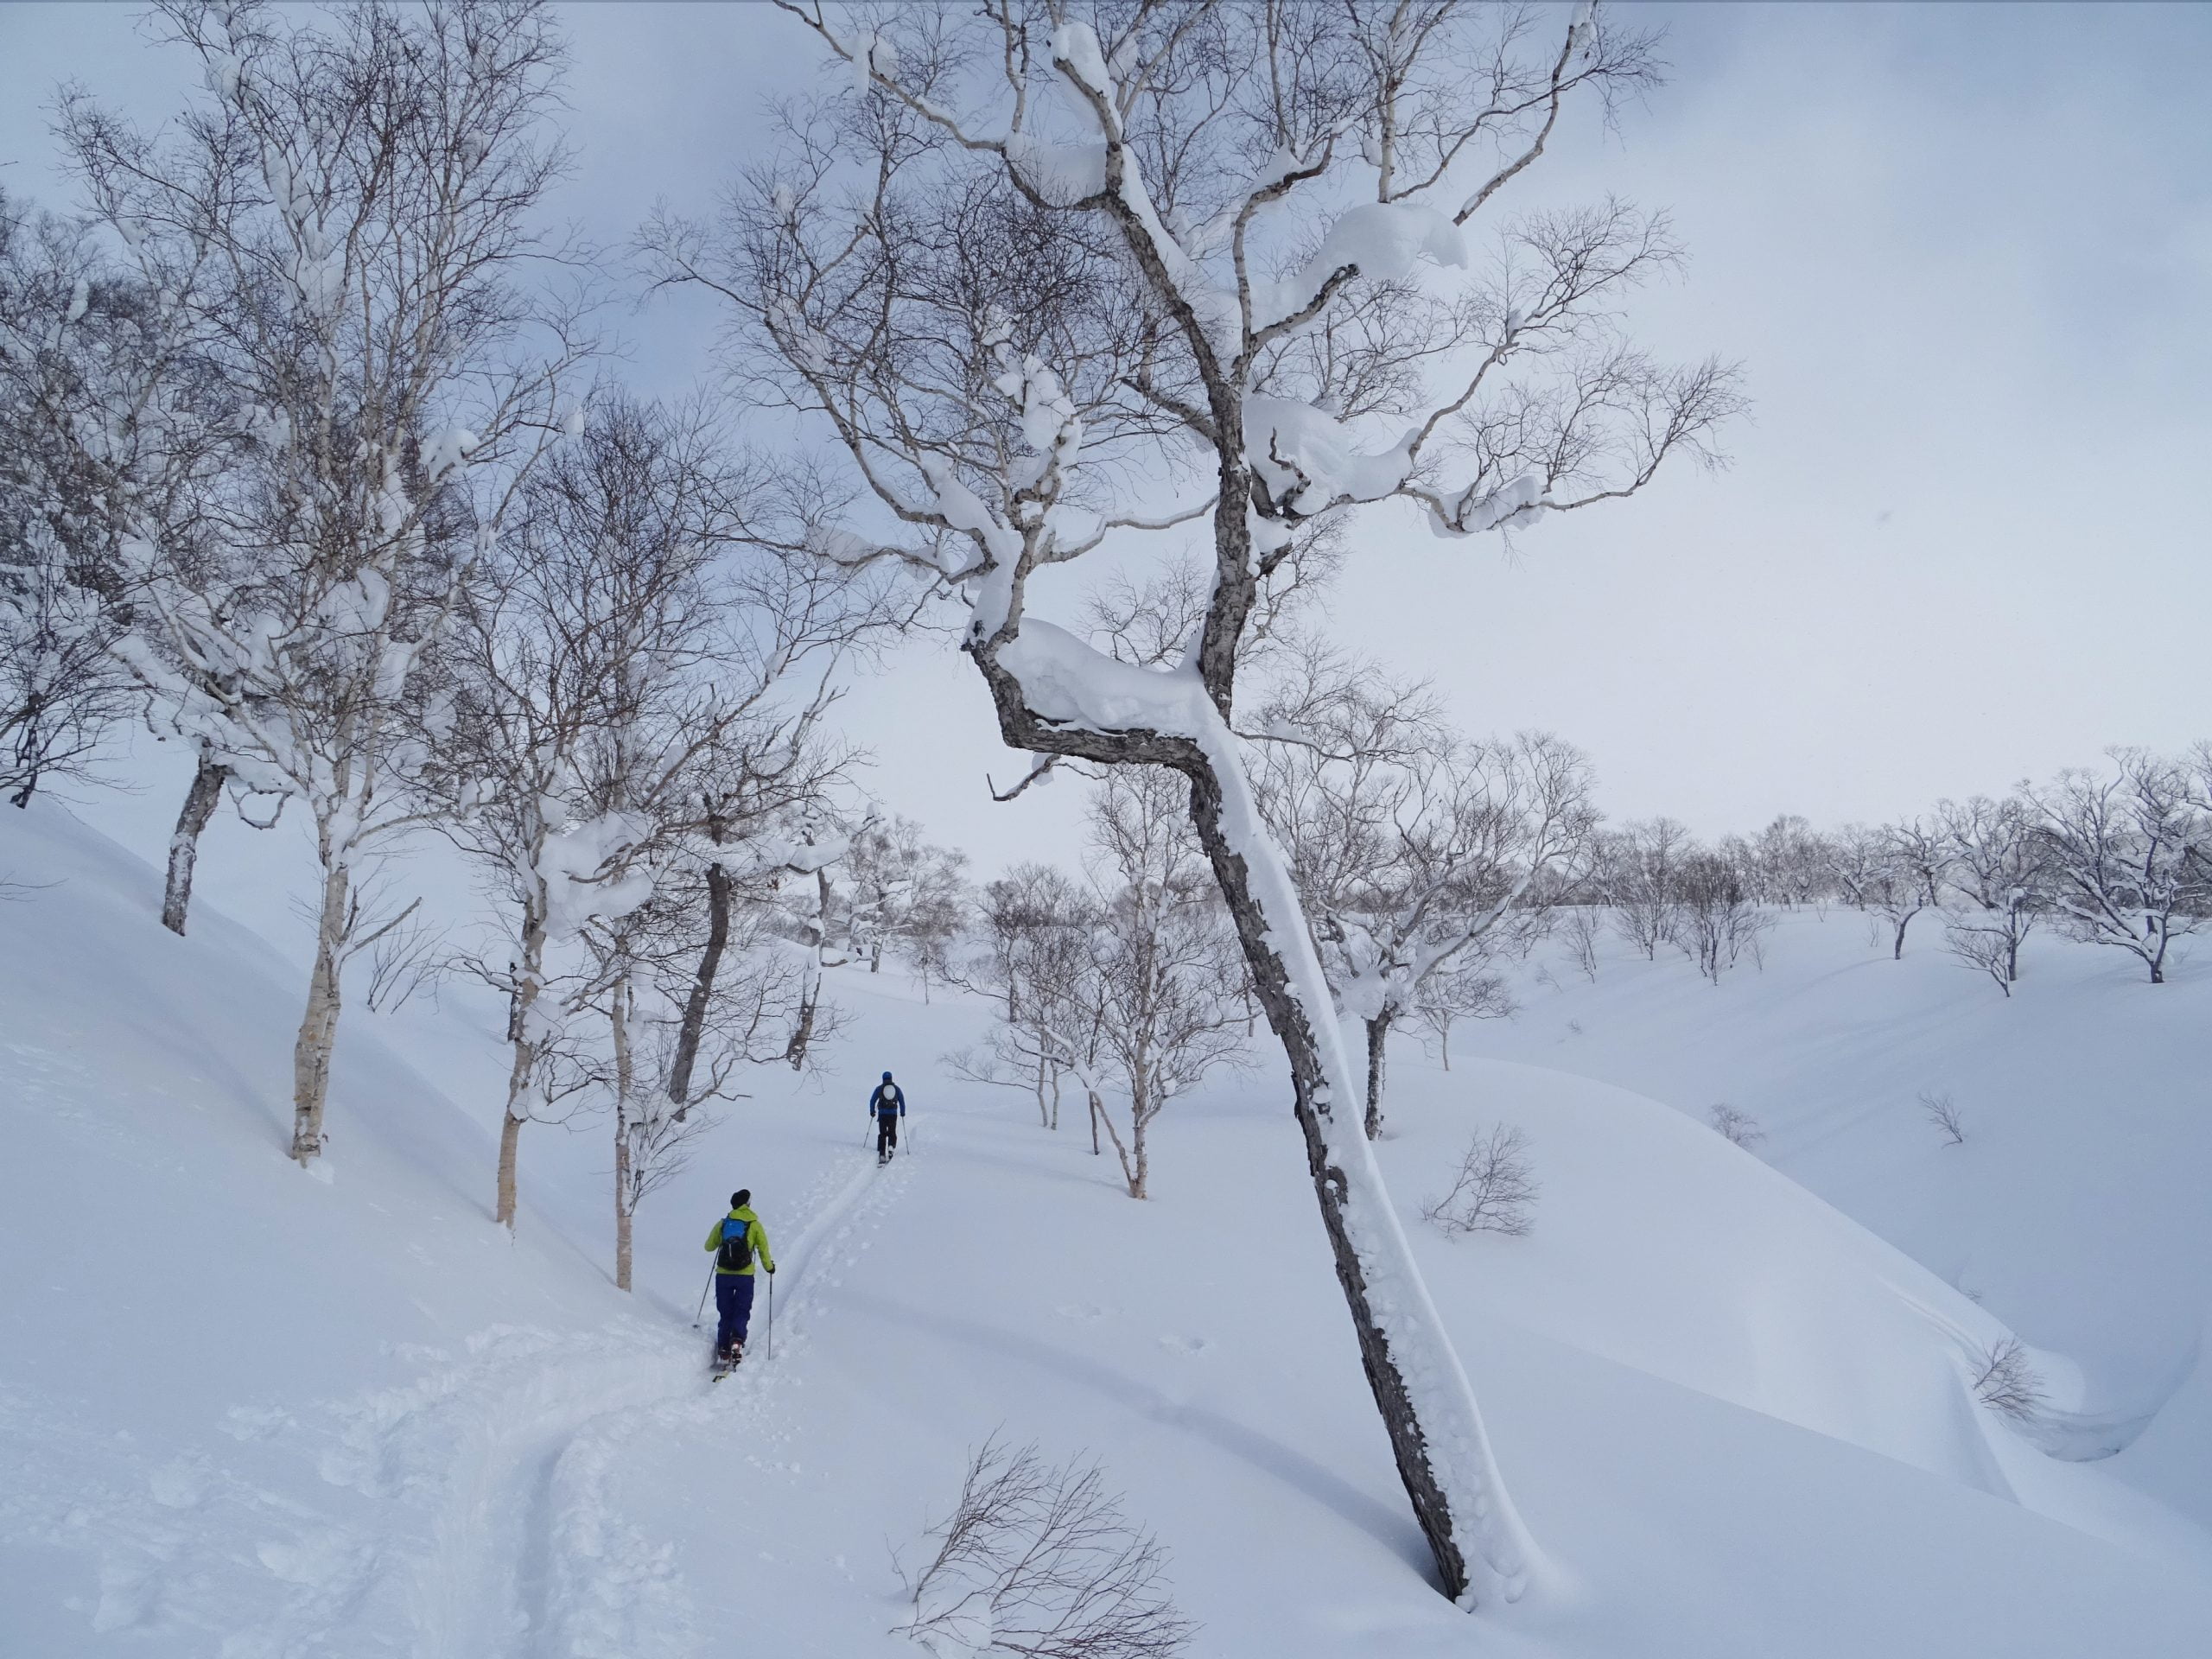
(739, 1198)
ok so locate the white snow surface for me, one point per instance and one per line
(245, 1412)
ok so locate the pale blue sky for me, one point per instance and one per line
(1964, 253)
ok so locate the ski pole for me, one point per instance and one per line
(701, 1315)
(768, 1338)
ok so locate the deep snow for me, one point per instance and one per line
(246, 1412)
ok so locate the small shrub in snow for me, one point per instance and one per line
(1495, 1190)
(1740, 1128)
(1037, 1558)
(1944, 1115)
(2006, 1383)
(1987, 941)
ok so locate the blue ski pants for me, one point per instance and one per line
(733, 1302)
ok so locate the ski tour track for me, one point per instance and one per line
(533, 1560)
(509, 1542)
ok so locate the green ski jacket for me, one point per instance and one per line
(755, 1235)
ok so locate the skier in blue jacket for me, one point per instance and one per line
(887, 1106)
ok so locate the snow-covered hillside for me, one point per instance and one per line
(2073, 1209)
(246, 1412)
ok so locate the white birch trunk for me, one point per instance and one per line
(318, 1027)
(522, 1069)
(623, 1082)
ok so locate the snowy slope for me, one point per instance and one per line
(2076, 1209)
(244, 1412)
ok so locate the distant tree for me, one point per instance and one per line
(1738, 1128)
(1903, 877)
(2125, 852)
(1162, 965)
(1582, 925)
(901, 890)
(1415, 850)
(1995, 867)
(1792, 863)
(1646, 880)
(1716, 923)
(1456, 994)
(1856, 859)
(1033, 960)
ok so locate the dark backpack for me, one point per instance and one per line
(735, 1254)
(887, 1101)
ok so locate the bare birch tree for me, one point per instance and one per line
(1162, 965)
(901, 890)
(1032, 960)
(352, 206)
(1459, 994)
(628, 681)
(1414, 851)
(1057, 274)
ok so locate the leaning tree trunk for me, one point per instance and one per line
(1378, 1037)
(318, 1027)
(694, 1025)
(1441, 1448)
(199, 803)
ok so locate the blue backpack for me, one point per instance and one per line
(735, 1254)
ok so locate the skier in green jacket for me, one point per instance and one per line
(738, 1241)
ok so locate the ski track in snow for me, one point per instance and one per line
(592, 1585)
(482, 1520)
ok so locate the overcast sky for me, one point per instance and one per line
(1965, 256)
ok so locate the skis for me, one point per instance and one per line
(721, 1365)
